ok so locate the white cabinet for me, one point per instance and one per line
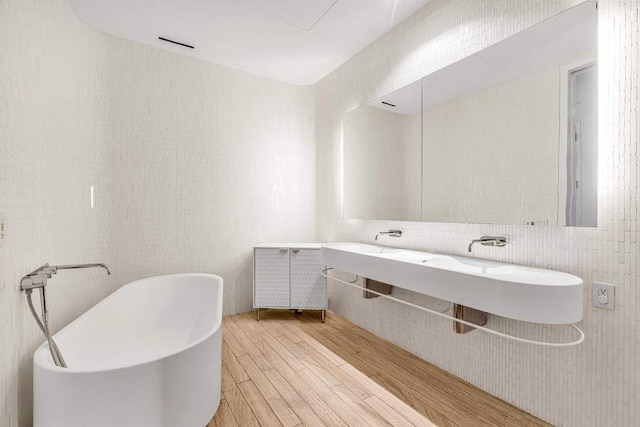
(308, 287)
(288, 276)
(271, 278)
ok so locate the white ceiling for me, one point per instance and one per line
(303, 14)
(296, 41)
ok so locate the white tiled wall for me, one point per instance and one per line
(192, 165)
(595, 384)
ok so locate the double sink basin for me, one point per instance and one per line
(517, 292)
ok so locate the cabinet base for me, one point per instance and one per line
(323, 313)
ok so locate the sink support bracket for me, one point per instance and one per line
(379, 287)
(469, 314)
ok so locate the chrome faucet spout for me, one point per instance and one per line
(55, 268)
(472, 243)
(496, 241)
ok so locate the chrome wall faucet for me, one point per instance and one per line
(38, 280)
(55, 268)
(391, 233)
(489, 241)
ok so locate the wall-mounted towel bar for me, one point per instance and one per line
(464, 322)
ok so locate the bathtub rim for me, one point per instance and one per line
(42, 353)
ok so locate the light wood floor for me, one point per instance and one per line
(294, 370)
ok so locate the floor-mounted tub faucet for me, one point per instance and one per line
(392, 233)
(489, 241)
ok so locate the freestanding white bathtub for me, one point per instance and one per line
(147, 355)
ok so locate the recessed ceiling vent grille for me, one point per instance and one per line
(175, 42)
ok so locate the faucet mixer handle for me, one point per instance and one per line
(496, 241)
(493, 241)
(391, 233)
(33, 281)
(48, 270)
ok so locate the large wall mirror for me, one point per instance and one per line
(505, 136)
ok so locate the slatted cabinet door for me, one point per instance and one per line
(271, 281)
(308, 288)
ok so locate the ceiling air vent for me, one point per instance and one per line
(175, 42)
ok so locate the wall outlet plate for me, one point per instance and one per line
(603, 295)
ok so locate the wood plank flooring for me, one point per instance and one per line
(293, 370)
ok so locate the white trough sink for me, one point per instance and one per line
(517, 292)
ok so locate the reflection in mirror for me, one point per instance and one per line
(382, 148)
(582, 148)
(509, 134)
(504, 136)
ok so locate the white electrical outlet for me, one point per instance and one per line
(2, 228)
(603, 295)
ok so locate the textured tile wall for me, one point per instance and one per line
(192, 164)
(595, 384)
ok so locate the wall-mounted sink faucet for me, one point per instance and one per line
(392, 233)
(489, 241)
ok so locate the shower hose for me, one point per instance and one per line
(44, 326)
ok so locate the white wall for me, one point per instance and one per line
(491, 157)
(595, 384)
(382, 164)
(192, 164)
